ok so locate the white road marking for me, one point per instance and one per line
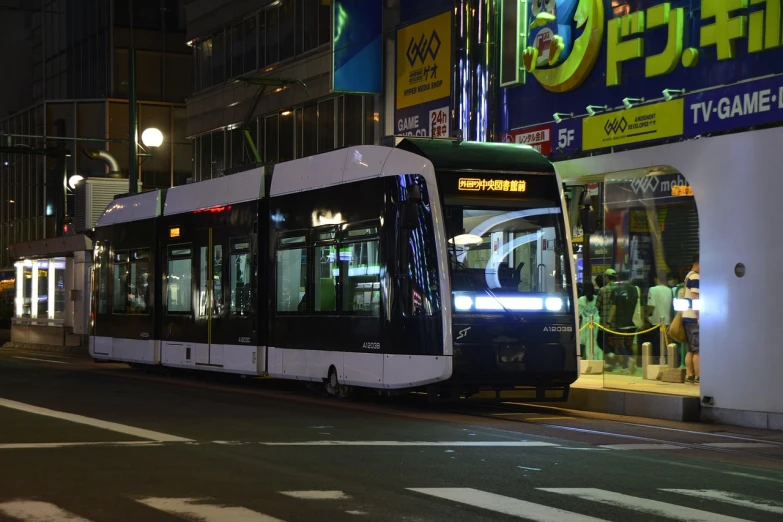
(37, 359)
(34, 511)
(316, 495)
(632, 447)
(97, 423)
(529, 469)
(643, 505)
(49, 445)
(505, 505)
(740, 445)
(748, 475)
(461, 443)
(185, 507)
(770, 506)
(584, 449)
(356, 512)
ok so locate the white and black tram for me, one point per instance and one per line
(437, 264)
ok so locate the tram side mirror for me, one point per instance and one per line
(588, 214)
(410, 208)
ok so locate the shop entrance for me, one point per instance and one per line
(631, 267)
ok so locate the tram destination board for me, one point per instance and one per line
(498, 186)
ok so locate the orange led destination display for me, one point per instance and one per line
(491, 185)
(174, 232)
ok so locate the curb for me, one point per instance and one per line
(67, 350)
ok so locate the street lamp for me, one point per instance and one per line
(74, 180)
(152, 137)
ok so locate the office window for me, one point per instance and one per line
(310, 27)
(272, 36)
(241, 270)
(218, 58)
(287, 30)
(324, 23)
(291, 275)
(286, 145)
(206, 63)
(298, 132)
(139, 294)
(205, 157)
(262, 40)
(251, 40)
(299, 26)
(218, 154)
(120, 289)
(353, 121)
(178, 294)
(237, 147)
(326, 125)
(370, 120)
(237, 50)
(309, 130)
(271, 138)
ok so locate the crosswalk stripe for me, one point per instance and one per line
(316, 495)
(455, 443)
(186, 507)
(505, 505)
(732, 498)
(647, 506)
(633, 447)
(34, 511)
(741, 445)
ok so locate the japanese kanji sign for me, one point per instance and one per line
(424, 61)
(489, 185)
(540, 138)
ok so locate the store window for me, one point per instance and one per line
(59, 288)
(178, 294)
(43, 289)
(291, 274)
(647, 233)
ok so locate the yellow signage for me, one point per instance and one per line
(424, 61)
(639, 222)
(496, 185)
(174, 232)
(648, 122)
(682, 190)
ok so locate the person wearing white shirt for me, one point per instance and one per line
(659, 304)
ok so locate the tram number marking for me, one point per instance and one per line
(371, 346)
(463, 333)
(245, 340)
(558, 328)
(144, 335)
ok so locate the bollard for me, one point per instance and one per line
(662, 341)
(671, 349)
(645, 358)
(591, 344)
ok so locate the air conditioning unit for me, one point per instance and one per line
(93, 195)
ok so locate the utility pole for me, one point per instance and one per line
(133, 124)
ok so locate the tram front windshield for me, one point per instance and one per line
(510, 257)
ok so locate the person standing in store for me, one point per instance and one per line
(624, 301)
(690, 320)
(587, 308)
(659, 305)
(604, 303)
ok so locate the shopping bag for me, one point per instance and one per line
(676, 330)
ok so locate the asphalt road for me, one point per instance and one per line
(88, 442)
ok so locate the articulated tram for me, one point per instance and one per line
(436, 265)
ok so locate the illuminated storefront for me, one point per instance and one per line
(50, 302)
(667, 114)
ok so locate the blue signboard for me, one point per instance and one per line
(611, 55)
(357, 60)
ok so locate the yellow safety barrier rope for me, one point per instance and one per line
(593, 324)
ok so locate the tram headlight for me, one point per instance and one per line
(554, 304)
(463, 302)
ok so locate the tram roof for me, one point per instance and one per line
(476, 156)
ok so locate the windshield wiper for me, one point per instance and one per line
(507, 309)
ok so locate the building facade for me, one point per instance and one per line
(73, 56)
(666, 113)
(240, 47)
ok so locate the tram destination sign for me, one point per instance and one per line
(498, 186)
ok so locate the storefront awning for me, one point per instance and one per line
(56, 246)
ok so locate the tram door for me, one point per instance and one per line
(211, 306)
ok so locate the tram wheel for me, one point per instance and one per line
(333, 386)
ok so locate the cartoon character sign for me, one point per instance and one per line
(564, 41)
(550, 31)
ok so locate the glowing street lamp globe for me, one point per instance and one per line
(152, 137)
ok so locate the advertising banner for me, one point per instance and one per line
(641, 192)
(540, 138)
(648, 122)
(357, 60)
(423, 92)
(424, 61)
(602, 53)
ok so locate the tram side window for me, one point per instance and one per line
(292, 275)
(327, 272)
(139, 293)
(102, 277)
(178, 295)
(241, 268)
(361, 287)
(120, 282)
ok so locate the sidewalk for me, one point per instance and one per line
(68, 350)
